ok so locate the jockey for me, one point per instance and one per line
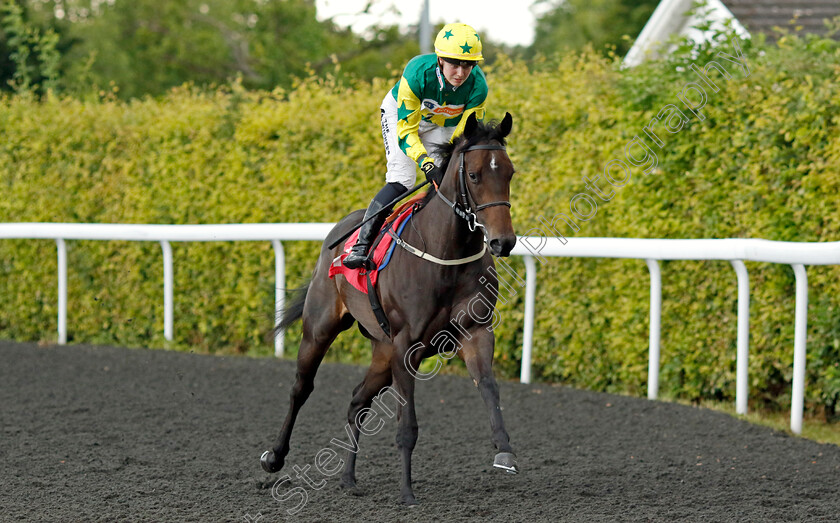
(427, 107)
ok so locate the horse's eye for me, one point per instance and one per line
(473, 177)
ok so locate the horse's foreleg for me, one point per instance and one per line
(407, 421)
(477, 354)
(377, 378)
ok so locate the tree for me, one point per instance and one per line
(571, 24)
(29, 53)
(147, 46)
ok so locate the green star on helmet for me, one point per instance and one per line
(466, 47)
(448, 34)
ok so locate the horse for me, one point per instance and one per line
(429, 298)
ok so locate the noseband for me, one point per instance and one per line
(463, 208)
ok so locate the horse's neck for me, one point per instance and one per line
(445, 234)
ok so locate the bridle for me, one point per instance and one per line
(462, 208)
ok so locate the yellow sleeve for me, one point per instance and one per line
(479, 110)
(409, 114)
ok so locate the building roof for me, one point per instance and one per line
(763, 15)
(670, 18)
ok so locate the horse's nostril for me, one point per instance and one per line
(496, 247)
(502, 247)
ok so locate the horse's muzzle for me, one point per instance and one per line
(502, 245)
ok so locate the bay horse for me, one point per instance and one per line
(461, 224)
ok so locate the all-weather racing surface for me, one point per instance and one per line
(114, 434)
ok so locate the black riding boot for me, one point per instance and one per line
(367, 233)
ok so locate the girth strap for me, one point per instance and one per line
(375, 305)
(381, 318)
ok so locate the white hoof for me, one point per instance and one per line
(507, 462)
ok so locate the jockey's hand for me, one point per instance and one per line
(433, 173)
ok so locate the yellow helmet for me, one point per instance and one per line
(459, 42)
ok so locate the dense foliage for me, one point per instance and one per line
(139, 47)
(763, 163)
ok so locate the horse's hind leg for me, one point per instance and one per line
(477, 354)
(322, 322)
(378, 377)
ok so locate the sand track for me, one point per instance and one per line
(113, 434)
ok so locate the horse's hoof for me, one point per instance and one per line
(269, 462)
(351, 489)
(409, 501)
(507, 462)
(348, 483)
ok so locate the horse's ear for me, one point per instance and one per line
(471, 125)
(506, 125)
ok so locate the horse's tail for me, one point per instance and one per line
(294, 310)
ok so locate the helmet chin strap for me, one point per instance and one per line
(443, 82)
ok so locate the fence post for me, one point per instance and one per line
(742, 387)
(279, 294)
(167, 290)
(62, 291)
(799, 346)
(528, 334)
(655, 320)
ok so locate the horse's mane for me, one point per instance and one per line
(484, 132)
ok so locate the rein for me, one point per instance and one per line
(462, 209)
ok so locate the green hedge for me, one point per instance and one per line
(762, 164)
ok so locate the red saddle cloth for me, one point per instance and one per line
(358, 277)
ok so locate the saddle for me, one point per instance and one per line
(381, 250)
(415, 200)
(364, 280)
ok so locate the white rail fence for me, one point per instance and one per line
(736, 251)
